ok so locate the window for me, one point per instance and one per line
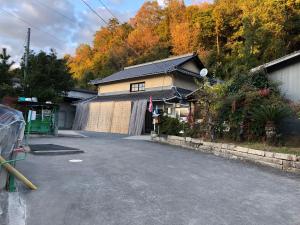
(135, 87)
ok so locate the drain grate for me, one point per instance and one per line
(53, 149)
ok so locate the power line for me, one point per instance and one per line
(94, 11)
(56, 11)
(104, 5)
(35, 27)
(127, 44)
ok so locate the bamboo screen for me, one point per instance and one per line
(110, 117)
(121, 117)
(104, 117)
(92, 118)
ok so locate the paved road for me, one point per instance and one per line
(135, 182)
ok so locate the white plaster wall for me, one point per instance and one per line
(289, 79)
(191, 66)
(186, 82)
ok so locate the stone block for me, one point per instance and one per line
(237, 153)
(269, 154)
(265, 159)
(255, 158)
(216, 145)
(225, 146)
(164, 139)
(285, 156)
(231, 146)
(296, 165)
(196, 141)
(287, 164)
(241, 149)
(188, 139)
(269, 164)
(294, 170)
(256, 152)
(177, 138)
(206, 143)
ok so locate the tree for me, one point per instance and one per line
(230, 36)
(49, 78)
(5, 74)
(81, 62)
(149, 15)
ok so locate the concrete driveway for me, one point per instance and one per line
(136, 182)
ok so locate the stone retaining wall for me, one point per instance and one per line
(287, 162)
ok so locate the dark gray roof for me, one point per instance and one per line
(156, 95)
(84, 91)
(151, 68)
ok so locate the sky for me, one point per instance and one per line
(58, 24)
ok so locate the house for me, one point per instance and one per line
(123, 98)
(285, 71)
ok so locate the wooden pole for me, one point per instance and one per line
(17, 174)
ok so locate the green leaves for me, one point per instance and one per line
(5, 75)
(269, 113)
(48, 77)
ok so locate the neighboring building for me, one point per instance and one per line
(123, 97)
(286, 71)
(67, 109)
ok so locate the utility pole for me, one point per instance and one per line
(26, 61)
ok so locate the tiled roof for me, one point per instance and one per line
(84, 91)
(151, 68)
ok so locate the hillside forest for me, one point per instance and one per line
(229, 36)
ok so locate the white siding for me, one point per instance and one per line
(289, 80)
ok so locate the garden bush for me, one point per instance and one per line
(241, 108)
(170, 126)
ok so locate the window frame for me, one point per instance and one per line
(137, 87)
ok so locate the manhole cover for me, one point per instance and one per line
(53, 149)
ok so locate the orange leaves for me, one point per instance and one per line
(149, 15)
(143, 39)
(183, 38)
(82, 61)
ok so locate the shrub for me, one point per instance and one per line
(170, 126)
(236, 103)
(269, 113)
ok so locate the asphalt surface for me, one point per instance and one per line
(136, 182)
(3, 207)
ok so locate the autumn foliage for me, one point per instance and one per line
(230, 36)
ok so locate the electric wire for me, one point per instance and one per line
(31, 25)
(107, 8)
(94, 11)
(56, 11)
(127, 44)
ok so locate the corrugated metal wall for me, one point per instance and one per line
(289, 79)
